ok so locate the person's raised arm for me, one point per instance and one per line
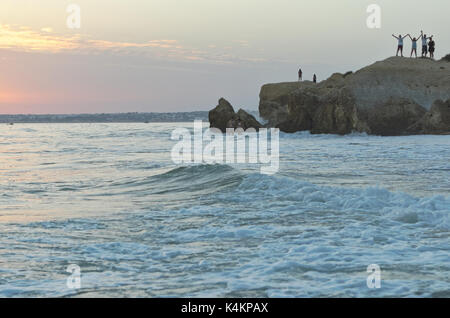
(409, 36)
(395, 36)
(406, 36)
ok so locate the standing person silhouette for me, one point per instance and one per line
(424, 43)
(431, 47)
(300, 74)
(314, 78)
(400, 43)
(414, 45)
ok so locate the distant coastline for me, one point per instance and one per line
(105, 117)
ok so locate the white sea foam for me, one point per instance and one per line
(398, 206)
(107, 198)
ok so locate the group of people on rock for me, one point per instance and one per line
(300, 76)
(427, 44)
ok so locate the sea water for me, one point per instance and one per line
(108, 199)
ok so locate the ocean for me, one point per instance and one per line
(109, 199)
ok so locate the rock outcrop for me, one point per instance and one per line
(393, 97)
(274, 98)
(221, 115)
(436, 121)
(224, 116)
(394, 117)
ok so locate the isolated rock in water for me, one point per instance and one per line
(389, 97)
(247, 120)
(223, 117)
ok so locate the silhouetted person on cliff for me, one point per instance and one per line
(314, 78)
(431, 47)
(400, 43)
(300, 75)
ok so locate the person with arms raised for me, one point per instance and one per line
(400, 43)
(414, 45)
(424, 43)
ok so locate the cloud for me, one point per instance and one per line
(243, 43)
(47, 30)
(24, 39)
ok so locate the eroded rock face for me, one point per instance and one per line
(435, 121)
(274, 98)
(438, 118)
(322, 110)
(394, 117)
(389, 97)
(223, 117)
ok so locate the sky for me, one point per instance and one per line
(183, 55)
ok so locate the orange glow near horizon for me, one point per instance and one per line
(10, 97)
(13, 101)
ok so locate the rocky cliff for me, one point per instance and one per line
(392, 97)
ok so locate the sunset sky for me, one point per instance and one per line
(182, 55)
